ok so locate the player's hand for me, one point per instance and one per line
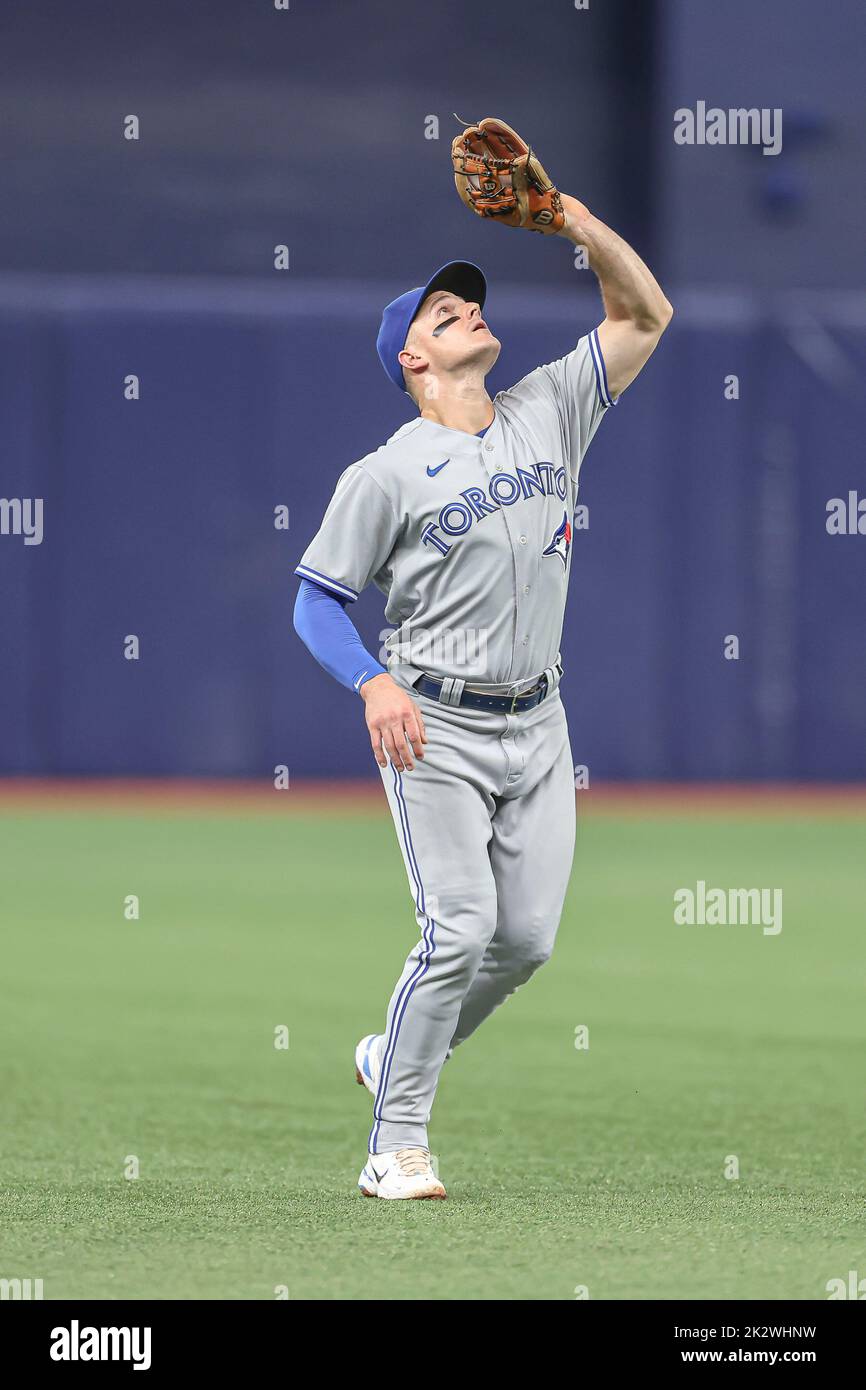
(395, 723)
(498, 175)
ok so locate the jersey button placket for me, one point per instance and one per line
(523, 561)
(491, 469)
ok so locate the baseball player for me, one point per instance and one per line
(463, 520)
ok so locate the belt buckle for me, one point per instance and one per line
(518, 695)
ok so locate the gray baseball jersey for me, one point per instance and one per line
(469, 538)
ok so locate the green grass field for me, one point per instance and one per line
(602, 1167)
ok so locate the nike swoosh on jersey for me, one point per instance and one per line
(431, 472)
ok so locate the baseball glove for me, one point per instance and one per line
(497, 175)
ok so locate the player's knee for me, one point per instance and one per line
(463, 933)
(535, 954)
(479, 937)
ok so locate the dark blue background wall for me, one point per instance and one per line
(306, 126)
(155, 257)
(707, 517)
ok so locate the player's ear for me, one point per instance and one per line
(411, 360)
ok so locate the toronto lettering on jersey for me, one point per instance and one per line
(455, 518)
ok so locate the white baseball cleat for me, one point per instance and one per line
(406, 1173)
(368, 1061)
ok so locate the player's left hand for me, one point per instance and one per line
(497, 175)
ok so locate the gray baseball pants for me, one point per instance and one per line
(486, 825)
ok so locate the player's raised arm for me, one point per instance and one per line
(500, 177)
(637, 311)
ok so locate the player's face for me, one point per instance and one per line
(449, 334)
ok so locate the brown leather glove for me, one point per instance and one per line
(497, 175)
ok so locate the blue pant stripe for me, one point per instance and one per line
(420, 968)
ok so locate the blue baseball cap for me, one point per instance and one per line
(461, 277)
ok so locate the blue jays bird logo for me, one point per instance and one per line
(561, 541)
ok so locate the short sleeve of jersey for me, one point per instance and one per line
(576, 386)
(355, 539)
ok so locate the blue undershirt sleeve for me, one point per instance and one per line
(324, 626)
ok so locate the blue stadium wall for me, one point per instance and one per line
(707, 518)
